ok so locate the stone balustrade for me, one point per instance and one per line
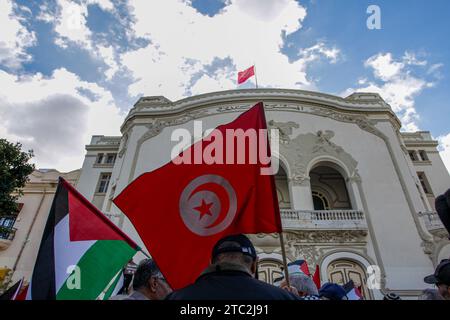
(323, 219)
(431, 220)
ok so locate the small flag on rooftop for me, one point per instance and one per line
(245, 74)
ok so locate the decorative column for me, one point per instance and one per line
(300, 192)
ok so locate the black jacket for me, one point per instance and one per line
(229, 282)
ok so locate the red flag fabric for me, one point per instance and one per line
(244, 75)
(316, 277)
(181, 210)
(23, 293)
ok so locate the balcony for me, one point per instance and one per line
(432, 222)
(323, 220)
(6, 237)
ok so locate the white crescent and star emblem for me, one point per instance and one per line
(208, 205)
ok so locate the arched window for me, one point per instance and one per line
(269, 270)
(320, 201)
(342, 271)
(328, 188)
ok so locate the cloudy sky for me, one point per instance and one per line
(70, 69)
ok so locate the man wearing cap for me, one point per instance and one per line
(231, 276)
(440, 278)
(442, 205)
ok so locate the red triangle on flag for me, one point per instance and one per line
(86, 222)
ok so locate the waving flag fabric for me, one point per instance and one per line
(81, 250)
(181, 210)
(246, 74)
(298, 266)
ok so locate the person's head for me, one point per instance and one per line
(441, 278)
(238, 250)
(149, 280)
(303, 283)
(332, 291)
(442, 205)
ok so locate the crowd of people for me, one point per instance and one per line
(232, 275)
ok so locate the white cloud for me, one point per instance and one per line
(444, 149)
(106, 5)
(71, 28)
(57, 115)
(320, 50)
(71, 24)
(410, 58)
(398, 86)
(384, 66)
(107, 54)
(15, 38)
(183, 42)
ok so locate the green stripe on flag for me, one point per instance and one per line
(97, 267)
(113, 286)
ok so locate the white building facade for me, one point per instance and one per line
(357, 195)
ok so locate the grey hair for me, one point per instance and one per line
(146, 269)
(303, 283)
(232, 257)
(430, 294)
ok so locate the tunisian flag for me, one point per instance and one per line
(181, 210)
(244, 75)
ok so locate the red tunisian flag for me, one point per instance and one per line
(244, 75)
(181, 210)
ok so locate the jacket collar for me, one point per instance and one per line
(224, 267)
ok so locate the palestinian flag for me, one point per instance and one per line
(298, 266)
(82, 252)
(13, 291)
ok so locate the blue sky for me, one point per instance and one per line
(88, 61)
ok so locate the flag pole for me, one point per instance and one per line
(283, 254)
(144, 253)
(283, 249)
(256, 78)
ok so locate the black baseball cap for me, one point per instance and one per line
(441, 274)
(442, 205)
(245, 246)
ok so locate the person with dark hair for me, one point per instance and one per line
(442, 205)
(148, 282)
(440, 278)
(231, 276)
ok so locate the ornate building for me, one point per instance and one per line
(356, 194)
(354, 191)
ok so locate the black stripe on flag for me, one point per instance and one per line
(11, 293)
(43, 279)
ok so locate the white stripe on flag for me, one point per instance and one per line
(67, 253)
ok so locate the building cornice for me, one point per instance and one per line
(154, 107)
